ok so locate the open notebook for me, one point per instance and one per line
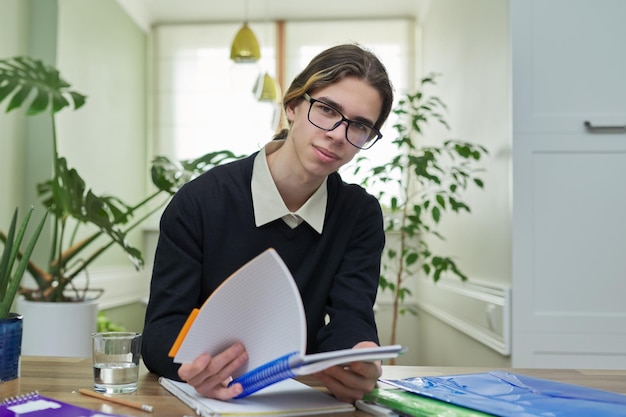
(286, 398)
(260, 306)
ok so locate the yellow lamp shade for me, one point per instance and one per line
(245, 47)
(266, 89)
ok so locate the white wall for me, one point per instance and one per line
(102, 53)
(467, 42)
(13, 41)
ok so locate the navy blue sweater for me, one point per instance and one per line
(208, 231)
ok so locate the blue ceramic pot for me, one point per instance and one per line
(10, 347)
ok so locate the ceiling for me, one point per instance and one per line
(150, 12)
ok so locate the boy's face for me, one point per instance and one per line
(322, 152)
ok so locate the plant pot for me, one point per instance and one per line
(58, 329)
(10, 347)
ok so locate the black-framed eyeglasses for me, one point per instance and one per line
(326, 117)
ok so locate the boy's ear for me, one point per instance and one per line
(289, 110)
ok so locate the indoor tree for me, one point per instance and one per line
(418, 184)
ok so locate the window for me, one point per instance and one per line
(205, 101)
(390, 39)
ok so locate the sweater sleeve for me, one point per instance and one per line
(175, 285)
(350, 305)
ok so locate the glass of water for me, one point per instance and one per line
(116, 361)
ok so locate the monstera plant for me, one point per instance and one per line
(38, 88)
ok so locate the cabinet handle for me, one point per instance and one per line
(603, 129)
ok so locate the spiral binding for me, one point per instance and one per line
(17, 399)
(265, 375)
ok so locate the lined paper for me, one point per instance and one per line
(260, 306)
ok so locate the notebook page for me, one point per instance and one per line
(260, 306)
(319, 361)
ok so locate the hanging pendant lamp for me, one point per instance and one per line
(266, 89)
(245, 47)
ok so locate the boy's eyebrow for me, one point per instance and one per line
(339, 107)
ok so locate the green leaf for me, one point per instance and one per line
(437, 275)
(19, 97)
(79, 99)
(8, 256)
(383, 283)
(403, 293)
(19, 76)
(436, 213)
(170, 175)
(39, 104)
(394, 203)
(441, 201)
(10, 282)
(6, 88)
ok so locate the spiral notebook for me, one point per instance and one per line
(36, 405)
(260, 306)
(286, 398)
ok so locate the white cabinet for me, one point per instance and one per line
(569, 183)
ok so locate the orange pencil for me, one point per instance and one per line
(116, 400)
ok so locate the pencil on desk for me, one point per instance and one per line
(116, 400)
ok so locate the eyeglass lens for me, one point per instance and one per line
(327, 118)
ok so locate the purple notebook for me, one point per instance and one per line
(36, 405)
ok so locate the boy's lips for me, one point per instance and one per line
(326, 154)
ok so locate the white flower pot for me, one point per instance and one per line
(57, 329)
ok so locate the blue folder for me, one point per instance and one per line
(513, 395)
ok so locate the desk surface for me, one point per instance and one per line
(60, 378)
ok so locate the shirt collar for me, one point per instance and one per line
(269, 205)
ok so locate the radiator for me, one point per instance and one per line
(480, 310)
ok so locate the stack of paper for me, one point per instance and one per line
(496, 393)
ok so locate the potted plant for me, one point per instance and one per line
(12, 268)
(419, 184)
(38, 88)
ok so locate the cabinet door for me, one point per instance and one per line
(569, 183)
(569, 64)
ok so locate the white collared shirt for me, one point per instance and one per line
(269, 205)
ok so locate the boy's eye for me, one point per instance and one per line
(329, 111)
(359, 127)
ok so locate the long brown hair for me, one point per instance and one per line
(335, 64)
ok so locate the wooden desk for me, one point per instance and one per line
(60, 378)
